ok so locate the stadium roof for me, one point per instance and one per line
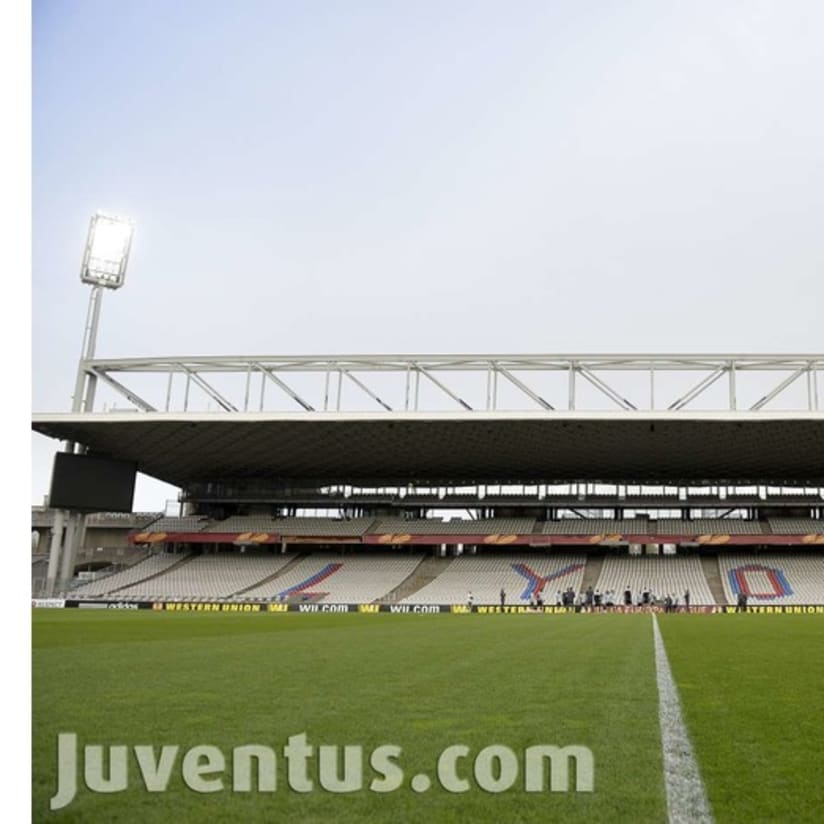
(456, 447)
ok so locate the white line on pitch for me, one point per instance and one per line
(686, 796)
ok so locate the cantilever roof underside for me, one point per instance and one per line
(455, 448)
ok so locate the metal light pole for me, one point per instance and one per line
(105, 258)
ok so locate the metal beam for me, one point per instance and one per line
(446, 389)
(607, 390)
(760, 404)
(367, 390)
(285, 387)
(210, 390)
(524, 388)
(464, 363)
(708, 381)
(131, 396)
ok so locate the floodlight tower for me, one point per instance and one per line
(105, 258)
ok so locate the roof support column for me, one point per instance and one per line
(571, 398)
(73, 529)
(54, 552)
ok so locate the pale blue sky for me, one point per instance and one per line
(429, 176)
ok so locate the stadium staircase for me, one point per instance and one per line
(285, 568)
(712, 572)
(424, 573)
(182, 562)
(592, 572)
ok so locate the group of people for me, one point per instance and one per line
(592, 599)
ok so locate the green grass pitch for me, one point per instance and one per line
(751, 686)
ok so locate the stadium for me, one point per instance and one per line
(563, 512)
(738, 500)
(455, 453)
(581, 515)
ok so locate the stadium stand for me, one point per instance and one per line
(187, 524)
(297, 527)
(242, 523)
(332, 577)
(323, 527)
(773, 578)
(598, 526)
(663, 575)
(366, 577)
(208, 576)
(149, 566)
(711, 526)
(519, 574)
(431, 526)
(796, 526)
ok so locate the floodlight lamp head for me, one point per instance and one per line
(107, 251)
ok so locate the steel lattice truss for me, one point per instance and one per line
(411, 383)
